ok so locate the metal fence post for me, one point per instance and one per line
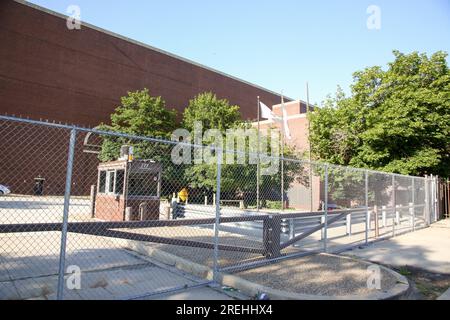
(427, 202)
(394, 205)
(413, 200)
(349, 224)
(62, 253)
(431, 199)
(397, 214)
(411, 214)
(325, 230)
(92, 200)
(217, 222)
(436, 199)
(446, 198)
(366, 195)
(291, 229)
(322, 232)
(376, 218)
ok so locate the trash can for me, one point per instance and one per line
(38, 186)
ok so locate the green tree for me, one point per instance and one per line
(396, 120)
(237, 180)
(143, 115)
(212, 112)
(138, 114)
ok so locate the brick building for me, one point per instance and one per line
(305, 195)
(78, 76)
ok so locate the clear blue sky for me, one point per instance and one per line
(278, 44)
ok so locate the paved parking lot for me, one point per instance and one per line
(29, 262)
(29, 268)
(31, 209)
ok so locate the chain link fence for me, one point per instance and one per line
(106, 215)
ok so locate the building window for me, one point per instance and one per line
(110, 182)
(102, 182)
(120, 177)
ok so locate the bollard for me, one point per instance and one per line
(384, 216)
(128, 214)
(397, 214)
(349, 224)
(377, 228)
(412, 217)
(92, 199)
(167, 212)
(291, 229)
(322, 232)
(143, 209)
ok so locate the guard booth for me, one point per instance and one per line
(128, 190)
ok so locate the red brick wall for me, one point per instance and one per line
(78, 76)
(108, 208)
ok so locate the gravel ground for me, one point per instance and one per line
(317, 275)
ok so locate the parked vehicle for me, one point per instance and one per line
(330, 206)
(333, 206)
(4, 190)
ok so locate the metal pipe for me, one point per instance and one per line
(394, 204)
(258, 168)
(217, 222)
(413, 200)
(366, 196)
(427, 202)
(282, 153)
(62, 253)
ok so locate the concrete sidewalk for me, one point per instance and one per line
(427, 249)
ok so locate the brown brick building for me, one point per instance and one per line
(78, 76)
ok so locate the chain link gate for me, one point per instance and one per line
(100, 215)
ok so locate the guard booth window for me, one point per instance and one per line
(102, 182)
(120, 177)
(111, 182)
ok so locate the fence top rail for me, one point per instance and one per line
(86, 226)
(166, 141)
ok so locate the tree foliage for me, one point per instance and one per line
(236, 179)
(143, 115)
(396, 120)
(138, 114)
(212, 112)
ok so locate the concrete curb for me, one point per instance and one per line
(253, 289)
(179, 263)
